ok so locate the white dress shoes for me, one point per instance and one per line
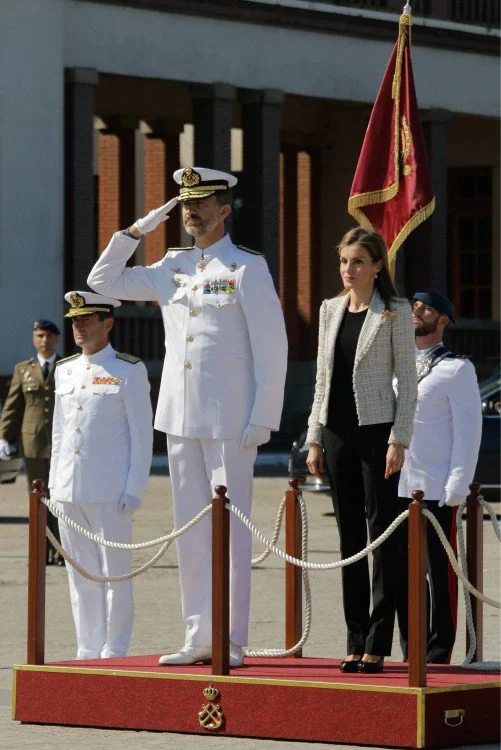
(236, 655)
(190, 655)
(186, 655)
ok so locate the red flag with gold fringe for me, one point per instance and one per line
(392, 192)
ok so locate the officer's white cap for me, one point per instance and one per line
(88, 303)
(199, 182)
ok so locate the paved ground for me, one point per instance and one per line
(158, 626)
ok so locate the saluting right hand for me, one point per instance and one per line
(4, 450)
(151, 221)
(315, 461)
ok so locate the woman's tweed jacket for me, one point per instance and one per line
(385, 350)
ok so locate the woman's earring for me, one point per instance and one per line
(375, 276)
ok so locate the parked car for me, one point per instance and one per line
(488, 466)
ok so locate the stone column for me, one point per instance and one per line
(213, 118)
(426, 262)
(261, 120)
(80, 225)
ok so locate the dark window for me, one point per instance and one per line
(470, 240)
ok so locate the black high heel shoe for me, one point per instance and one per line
(371, 667)
(349, 665)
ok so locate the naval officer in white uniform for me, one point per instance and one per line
(222, 384)
(101, 455)
(440, 461)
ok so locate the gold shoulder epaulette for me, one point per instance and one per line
(179, 248)
(65, 359)
(26, 361)
(128, 358)
(248, 250)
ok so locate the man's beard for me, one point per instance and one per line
(424, 329)
(201, 228)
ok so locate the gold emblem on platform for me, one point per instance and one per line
(76, 300)
(406, 143)
(190, 177)
(211, 717)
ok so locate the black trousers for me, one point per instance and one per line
(355, 462)
(442, 585)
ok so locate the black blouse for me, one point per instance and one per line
(342, 409)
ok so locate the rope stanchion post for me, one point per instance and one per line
(475, 563)
(417, 592)
(293, 576)
(220, 583)
(36, 576)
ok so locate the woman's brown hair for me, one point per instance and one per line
(376, 247)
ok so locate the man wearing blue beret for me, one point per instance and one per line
(440, 461)
(27, 414)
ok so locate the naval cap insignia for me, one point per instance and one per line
(76, 300)
(190, 178)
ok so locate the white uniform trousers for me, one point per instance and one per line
(196, 468)
(103, 612)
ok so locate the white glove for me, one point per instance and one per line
(154, 218)
(451, 499)
(253, 436)
(127, 505)
(4, 450)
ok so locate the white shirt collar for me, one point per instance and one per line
(422, 352)
(51, 360)
(217, 248)
(98, 357)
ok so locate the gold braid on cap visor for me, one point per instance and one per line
(197, 192)
(74, 311)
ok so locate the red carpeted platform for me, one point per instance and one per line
(295, 699)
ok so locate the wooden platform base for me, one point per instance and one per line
(294, 699)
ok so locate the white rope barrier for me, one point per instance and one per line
(318, 566)
(276, 532)
(492, 513)
(468, 662)
(119, 545)
(303, 563)
(306, 586)
(455, 566)
(110, 579)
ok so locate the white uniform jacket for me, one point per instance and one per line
(447, 429)
(102, 434)
(225, 340)
(385, 348)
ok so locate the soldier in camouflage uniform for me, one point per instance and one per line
(27, 414)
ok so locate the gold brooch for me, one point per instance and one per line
(190, 177)
(76, 300)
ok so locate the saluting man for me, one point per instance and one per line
(101, 456)
(222, 384)
(27, 414)
(440, 461)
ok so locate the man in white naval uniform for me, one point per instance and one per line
(440, 461)
(101, 455)
(222, 384)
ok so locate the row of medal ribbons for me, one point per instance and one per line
(219, 286)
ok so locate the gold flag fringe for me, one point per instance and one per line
(418, 218)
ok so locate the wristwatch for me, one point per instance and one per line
(128, 234)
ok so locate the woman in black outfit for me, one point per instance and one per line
(358, 430)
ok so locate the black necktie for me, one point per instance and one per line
(45, 370)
